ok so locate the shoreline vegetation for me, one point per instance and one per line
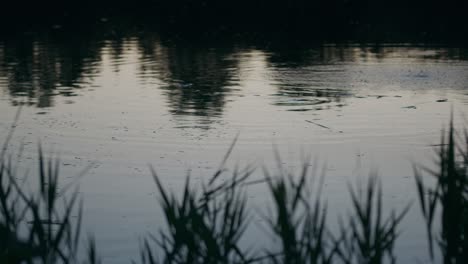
(382, 21)
(204, 224)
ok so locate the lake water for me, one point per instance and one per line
(119, 102)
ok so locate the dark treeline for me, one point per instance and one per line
(378, 19)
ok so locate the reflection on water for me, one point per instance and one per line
(36, 69)
(307, 79)
(197, 79)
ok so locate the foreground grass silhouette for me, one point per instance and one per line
(450, 196)
(206, 225)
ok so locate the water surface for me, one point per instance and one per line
(118, 102)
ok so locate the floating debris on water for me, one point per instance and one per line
(317, 124)
(437, 145)
(320, 125)
(299, 110)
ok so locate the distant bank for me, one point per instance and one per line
(378, 20)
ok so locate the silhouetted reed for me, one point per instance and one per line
(207, 226)
(367, 237)
(203, 227)
(34, 226)
(299, 219)
(447, 199)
